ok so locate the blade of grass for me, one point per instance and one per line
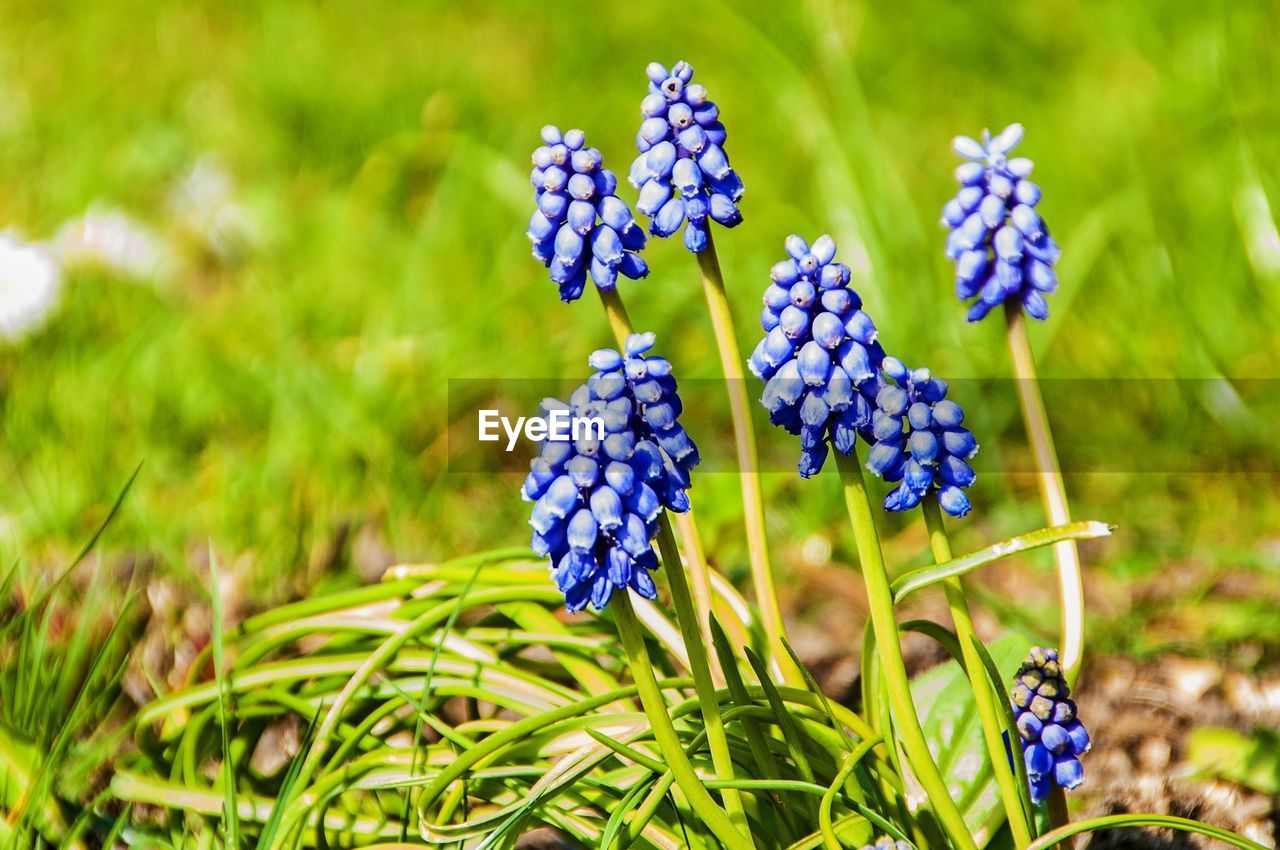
(231, 808)
(915, 580)
(426, 690)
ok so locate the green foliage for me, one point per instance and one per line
(1252, 760)
(951, 723)
(289, 393)
(63, 653)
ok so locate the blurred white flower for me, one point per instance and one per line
(204, 204)
(113, 240)
(30, 279)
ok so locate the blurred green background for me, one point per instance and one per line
(304, 219)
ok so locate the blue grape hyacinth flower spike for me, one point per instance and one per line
(819, 357)
(683, 172)
(919, 441)
(1050, 732)
(1001, 247)
(581, 227)
(596, 497)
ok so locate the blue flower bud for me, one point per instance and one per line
(694, 140)
(695, 236)
(784, 273)
(1027, 220)
(969, 173)
(794, 322)
(1068, 772)
(1038, 760)
(924, 446)
(668, 219)
(828, 330)
(991, 211)
(959, 442)
(687, 177)
(860, 328)
(724, 211)
(654, 130)
(540, 227)
(814, 364)
(712, 160)
(778, 345)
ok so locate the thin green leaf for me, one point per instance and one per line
(1049, 839)
(786, 724)
(231, 809)
(917, 579)
(39, 601)
(426, 690)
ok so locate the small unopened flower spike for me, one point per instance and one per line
(819, 358)
(581, 227)
(1050, 732)
(885, 842)
(919, 441)
(682, 172)
(596, 501)
(1001, 247)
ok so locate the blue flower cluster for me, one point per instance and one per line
(596, 501)
(1052, 736)
(580, 225)
(819, 356)
(999, 243)
(919, 441)
(682, 172)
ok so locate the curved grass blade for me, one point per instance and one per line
(1049, 839)
(943, 636)
(759, 747)
(917, 579)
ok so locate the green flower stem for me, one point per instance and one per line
(748, 459)
(700, 667)
(1059, 817)
(664, 732)
(1053, 491)
(616, 311)
(889, 647)
(695, 557)
(700, 577)
(988, 711)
